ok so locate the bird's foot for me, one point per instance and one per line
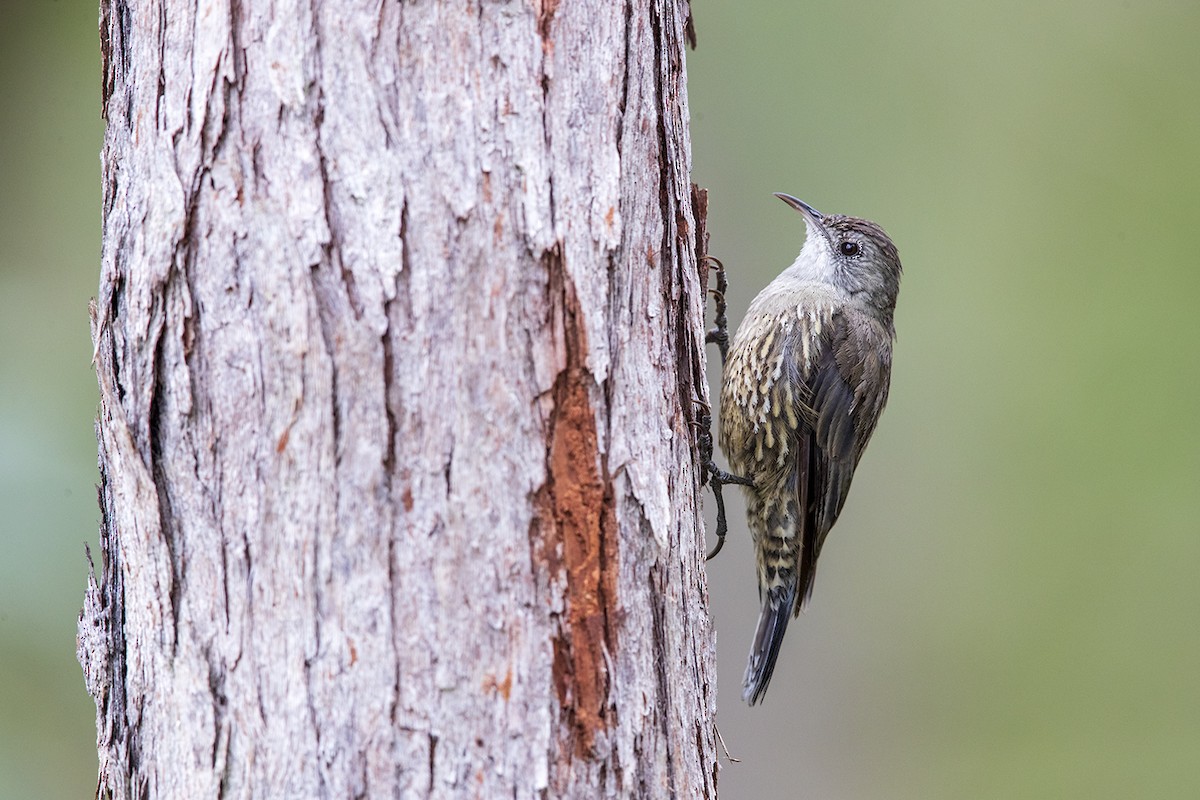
(714, 476)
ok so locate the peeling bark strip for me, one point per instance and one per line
(578, 526)
(398, 338)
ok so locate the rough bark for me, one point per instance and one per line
(398, 337)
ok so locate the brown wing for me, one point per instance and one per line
(845, 391)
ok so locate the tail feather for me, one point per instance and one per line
(777, 608)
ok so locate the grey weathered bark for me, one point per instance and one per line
(398, 338)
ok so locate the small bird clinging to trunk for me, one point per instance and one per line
(806, 379)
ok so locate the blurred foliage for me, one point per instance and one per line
(1009, 605)
(50, 136)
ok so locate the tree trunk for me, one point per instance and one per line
(399, 339)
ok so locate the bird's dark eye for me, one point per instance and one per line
(848, 248)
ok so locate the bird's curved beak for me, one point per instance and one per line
(810, 213)
(814, 221)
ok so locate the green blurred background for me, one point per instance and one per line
(1009, 606)
(50, 135)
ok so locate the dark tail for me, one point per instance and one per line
(777, 609)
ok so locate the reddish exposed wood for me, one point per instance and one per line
(576, 492)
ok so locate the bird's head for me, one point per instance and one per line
(850, 253)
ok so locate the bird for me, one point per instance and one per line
(803, 386)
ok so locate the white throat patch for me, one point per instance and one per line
(815, 262)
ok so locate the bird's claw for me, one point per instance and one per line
(714, 476)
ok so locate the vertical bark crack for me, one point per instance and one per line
(576, 526)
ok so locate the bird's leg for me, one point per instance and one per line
(718, 479)
(714, 476)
